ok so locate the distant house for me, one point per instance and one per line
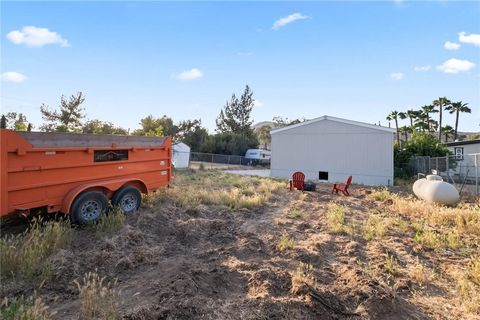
(461, 148)
(331, 149)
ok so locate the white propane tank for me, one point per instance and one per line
(434, 189)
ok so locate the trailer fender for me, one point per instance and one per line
(107, 187)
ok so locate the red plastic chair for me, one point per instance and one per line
(298, 181)
(343, 187)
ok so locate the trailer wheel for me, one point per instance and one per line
(128, 199)
(89, 207)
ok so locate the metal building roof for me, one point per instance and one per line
(351, 122)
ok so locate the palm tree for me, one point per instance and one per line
(394, 115)
(412, 115)
(421, 121)
(405, 130)
(427, 109)
(448, 132)
(457, 107)
(441, 103)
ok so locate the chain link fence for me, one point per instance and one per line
(209, 161)
(461, 170)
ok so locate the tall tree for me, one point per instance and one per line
(412, 115)
(457, 107)
(405, 130)
(15, 121)
(102, 127)
(447, 132)
(69, 116)
(192, 133)
(235, 115)
(393, 116)
(441, 103)
(279, 122)
(3, 122)
(427, 110)
(263, 135)
(150, 127)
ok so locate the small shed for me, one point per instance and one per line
(181, 155)
(330, 149)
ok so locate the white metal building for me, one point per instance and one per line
(331, 149)
(180, 155)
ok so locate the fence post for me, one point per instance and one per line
(476, 174)
(446, 164)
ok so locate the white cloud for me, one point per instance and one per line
(36, 37)
(396, 76)
(455, 66)
(12, 76)
(257, 103)
(191, 74)
(473, 38)
(451, 45)
(288, 19)
(422, 68)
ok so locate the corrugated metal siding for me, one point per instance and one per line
(338, 148)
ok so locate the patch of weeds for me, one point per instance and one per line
(111, 222)
(402, 225)
(468, 292)
(293, 213)
(285, 243)
(419, 273)
(434, 240)
(374, 227)
(25, 309)
(381, 194)
(391, 264)
(303, 278)
(336, 217)
(98, 299)
(428, 238)
(302, 196)
(474, 269)
(27, 254)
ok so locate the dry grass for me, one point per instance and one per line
(465, 218)
(32, 308)
(391, 264)
(303, 278)
(469, 294)
(419, 273)
(285, 243)
(336, 217)
(293, 213)
(27, 254)
(381, 194)
(227, 190)
(374, 227)
(111, 222)
(98, 299)
(474, 269)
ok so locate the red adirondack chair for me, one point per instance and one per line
(298, 181)
(343, 187)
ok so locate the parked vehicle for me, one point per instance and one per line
(79, 174)
(258, 156)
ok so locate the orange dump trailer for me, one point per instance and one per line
(79, 174)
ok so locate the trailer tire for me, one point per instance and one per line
(89, 207)
(128, 199)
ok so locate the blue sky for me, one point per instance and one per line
(356, 60)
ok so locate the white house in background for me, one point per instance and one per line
(465, 153)
(180, 155)
(461, 148)
(331, 149)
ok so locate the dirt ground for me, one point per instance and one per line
(201, 261)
